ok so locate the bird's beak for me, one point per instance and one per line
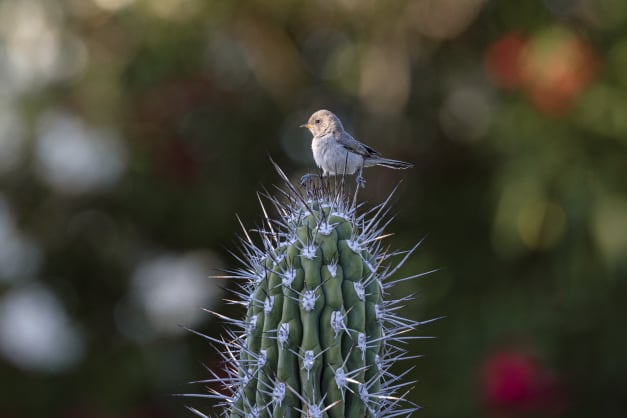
(307, 125)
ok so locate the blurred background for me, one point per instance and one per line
(133, 131)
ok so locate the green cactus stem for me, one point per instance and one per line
(320, 335)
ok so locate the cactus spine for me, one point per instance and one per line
(319, 336)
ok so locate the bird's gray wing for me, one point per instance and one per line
(353, 145)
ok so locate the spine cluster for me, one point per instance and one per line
(320, 333)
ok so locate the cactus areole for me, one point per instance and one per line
(319, 335)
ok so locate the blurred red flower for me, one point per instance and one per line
(551, 68)
(502, 60)
(517, 384)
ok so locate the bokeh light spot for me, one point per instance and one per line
(75, 158)
(467, 113)
(168, 291)
(609, 228)
(38, 50)
(385, 78)
(342, 66)
(556, 66)
(271, 56)
(442, 19)
(35, 332)
(173, 9)
(502, 60)
(541, 224)
(113, 5)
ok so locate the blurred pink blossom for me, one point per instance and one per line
(515, 383)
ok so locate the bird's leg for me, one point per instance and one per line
(325, 180)
(361, 181)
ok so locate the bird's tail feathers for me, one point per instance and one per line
(396, 164)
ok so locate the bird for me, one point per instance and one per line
(335, 151)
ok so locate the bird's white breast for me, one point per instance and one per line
(333, 158)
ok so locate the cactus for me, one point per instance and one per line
(319, 336)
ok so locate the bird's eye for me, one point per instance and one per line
(317, 121)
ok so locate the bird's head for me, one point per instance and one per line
(323, 122)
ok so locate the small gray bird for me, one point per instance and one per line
(337, 152)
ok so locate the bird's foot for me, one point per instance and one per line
(361, 182)
(307, 178)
